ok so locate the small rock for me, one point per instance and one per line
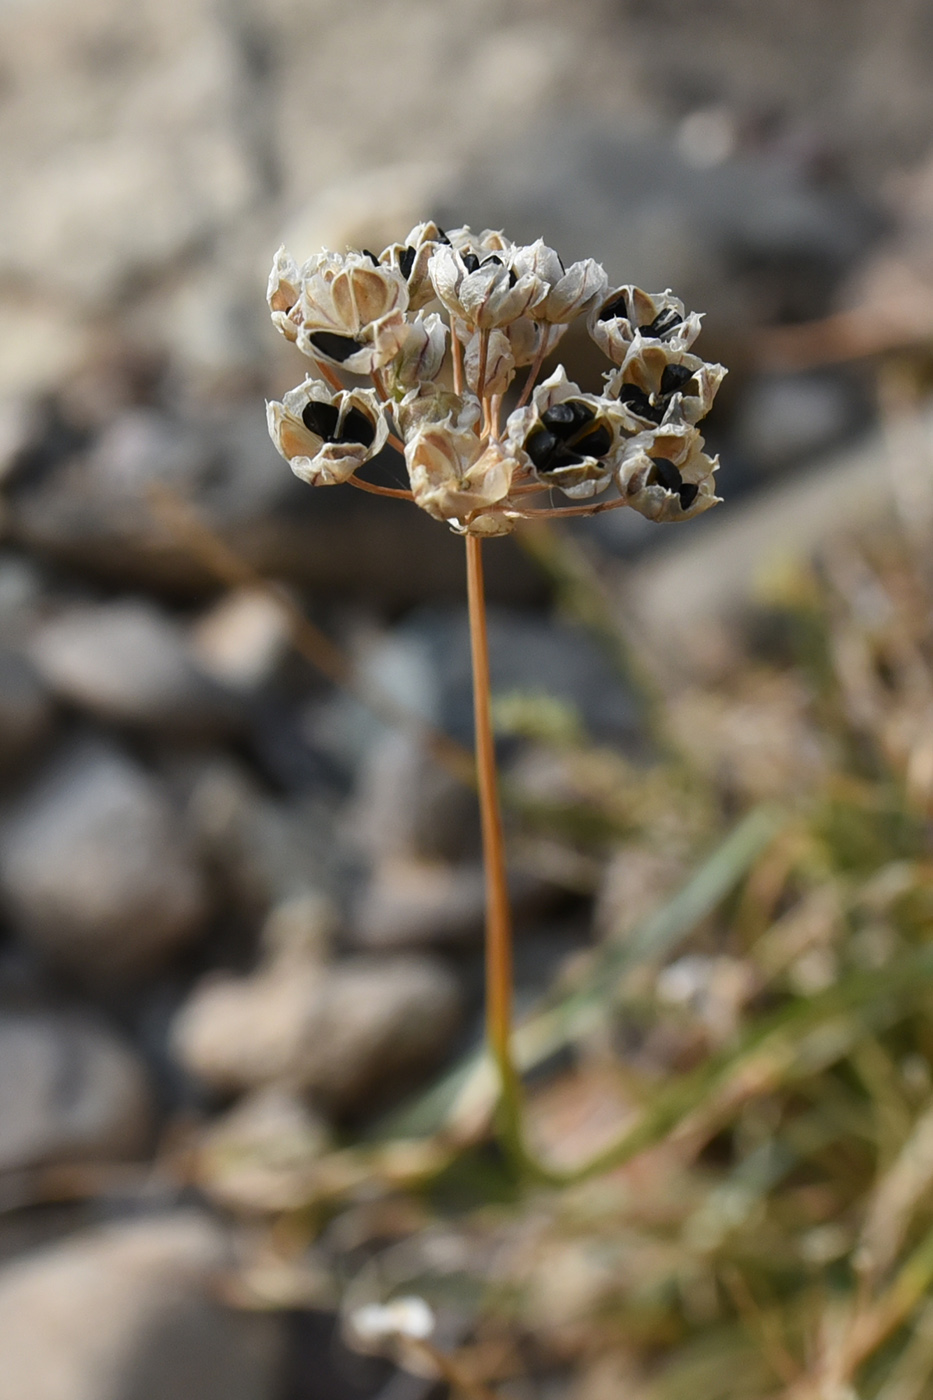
(241, 640)
(127, 662)
(26, 710)
(261, 1155)
(408, 805)
(529, 655)
(130, 1311)
(342, 1032)
(96, 870)
(382, 1022)
(265, 851)
(784, 418)
(411, 903)
(68, 1090)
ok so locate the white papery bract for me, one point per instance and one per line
(571, 438)
(443, 323)
(483, 293)
(665, 475)
(453, 474)
(657, 384)
(620, 315)
(567, 293)
(326, 436)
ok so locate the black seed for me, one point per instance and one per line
(664, 321)
(335, 347)
(674, 378)
(492, 259)
(688, 494)
(470, 262)
(614, 309)
(565, 458)
(320, 419)
(406, 261)
(372, 257)
(664, 473)
(560, 417)
(596, 442)
(637, 400)
(540, 446)
(442, 237)
(567, 418)
(357, 428)
(560, 263)
(512, 277)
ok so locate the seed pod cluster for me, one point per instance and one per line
(441, 324)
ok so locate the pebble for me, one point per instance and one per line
(261, 1155)
(27, 714)
(241, 640)
(127, 662)
(414, 903)
(343, 1033)
(97, 871)
(130, 1310)
(69, 1089)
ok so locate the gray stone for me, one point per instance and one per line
(241, 640)
(784, 418)
(96, 869)
(262, 1154)
(127, 662)
(26, 710)
(129, 1312)
(342, 1033)
(415, 903)
(407, 805)
(264, 850)
(529, 654)
(69, 1090)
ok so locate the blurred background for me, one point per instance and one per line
(240, 939)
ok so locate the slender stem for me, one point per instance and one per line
(456, 355)
(375, 490)
(540, 356)
(333, 379)
(565, 512)
(498, 912)
(481, 369)
(380, 388)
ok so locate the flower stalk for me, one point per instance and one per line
(441, 389)
(498, 908)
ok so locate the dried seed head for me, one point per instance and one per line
(665, 475)
(482, 292)
(569, 437)
(452, 475)
(507, 306)
(430, 403)
(499, 367)
(618, 317)
(350, 312)
(566, 293)
(325, 436)
(655, 383)
(411, 260)
(420, 356)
